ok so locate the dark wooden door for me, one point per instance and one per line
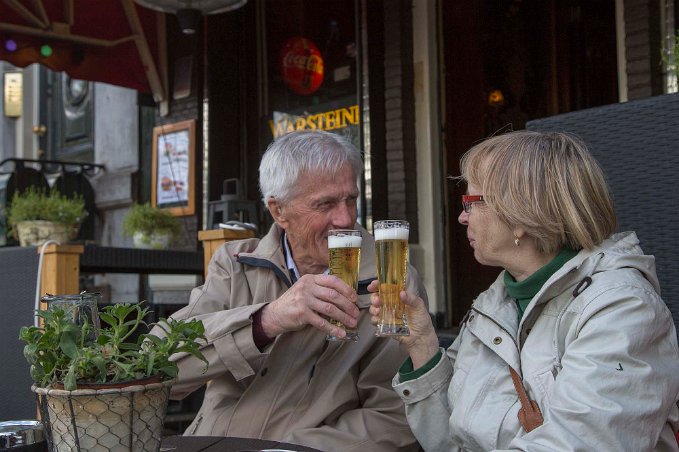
(67, 113)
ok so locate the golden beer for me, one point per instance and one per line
(391, 246)
(344, 258)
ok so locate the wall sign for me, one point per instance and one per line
(172, 177)
(329, 120)
(301, 65)
(13, 89)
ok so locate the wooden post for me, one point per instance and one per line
(61, 270)
(215, 238)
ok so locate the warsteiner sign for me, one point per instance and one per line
(339, 118)
(301, 65)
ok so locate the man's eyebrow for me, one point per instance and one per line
(324, 198)
(333, 198)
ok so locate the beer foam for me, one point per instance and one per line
(391, 234)
(347, 241)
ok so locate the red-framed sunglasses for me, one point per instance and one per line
(468, 200)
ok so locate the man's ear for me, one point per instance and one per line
(277, 212)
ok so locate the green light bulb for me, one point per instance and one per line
(46, 50)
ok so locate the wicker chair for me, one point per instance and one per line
(637, 144)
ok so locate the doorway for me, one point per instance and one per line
(507, 62)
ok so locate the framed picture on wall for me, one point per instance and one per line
(172, 176)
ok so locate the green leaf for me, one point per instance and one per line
(68, 345)
(60, 351)
(170, 371)
(70, 380)
(107, 318)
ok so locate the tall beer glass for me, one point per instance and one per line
(344, 249)
(391, 245)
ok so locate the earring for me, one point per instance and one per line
(516, 241)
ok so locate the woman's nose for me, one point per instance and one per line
(463, 218)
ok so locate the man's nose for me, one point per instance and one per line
(342, 217)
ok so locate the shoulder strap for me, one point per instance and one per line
(529, 415)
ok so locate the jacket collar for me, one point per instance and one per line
(269, 253)
(619, 250)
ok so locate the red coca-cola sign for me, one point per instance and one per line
(301, 65)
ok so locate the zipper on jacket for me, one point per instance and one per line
(320, 356)
(195, 427)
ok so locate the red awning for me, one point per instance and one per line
(111, 41)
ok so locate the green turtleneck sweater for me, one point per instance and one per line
(522, 292)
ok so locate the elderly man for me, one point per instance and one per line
(266, 304)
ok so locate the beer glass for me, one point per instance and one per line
(391, 246)
(344, 250)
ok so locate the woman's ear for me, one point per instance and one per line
(277, 212)
(518, 232)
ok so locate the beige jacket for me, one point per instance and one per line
(332, 396)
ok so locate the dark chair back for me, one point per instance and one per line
(637, 144)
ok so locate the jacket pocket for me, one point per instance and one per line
(456, 383)
(541, 383)
(484, 410)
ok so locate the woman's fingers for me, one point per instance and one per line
(373, 286)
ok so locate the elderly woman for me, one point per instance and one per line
(571, 348)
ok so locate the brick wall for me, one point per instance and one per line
(400, 113)
(642, 46)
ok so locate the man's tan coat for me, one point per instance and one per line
(301, 389)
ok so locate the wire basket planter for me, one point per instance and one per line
(119, 419)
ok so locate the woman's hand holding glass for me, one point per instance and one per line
(422, 343)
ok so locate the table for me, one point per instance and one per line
(228, 444)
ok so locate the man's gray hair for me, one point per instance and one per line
(297, 153)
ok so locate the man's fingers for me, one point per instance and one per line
(333, 282)
(323, 325)
(333, 297)
(315, 299)
(334, 312)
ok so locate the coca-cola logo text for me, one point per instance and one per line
(311, 63)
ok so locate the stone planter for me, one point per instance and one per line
(37, 232)
(127, 419)
(155, 241)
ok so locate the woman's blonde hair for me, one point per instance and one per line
(547, 183)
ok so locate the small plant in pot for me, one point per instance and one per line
(105, 392)
(150, 227)
(36, 216)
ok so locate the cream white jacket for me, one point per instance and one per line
(597, 350)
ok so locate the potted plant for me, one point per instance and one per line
(106, 391)
(37, 216)
(150, 228)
